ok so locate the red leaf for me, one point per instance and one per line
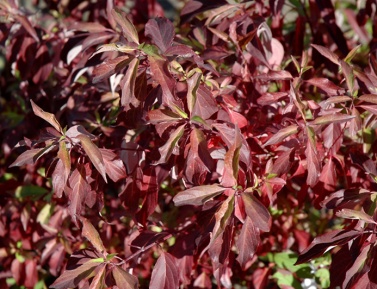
(72, 278)
(58, 178)
(63, 155)
(89, 232)
(128, 90)
(328, 176)
(123, 279)
(27, 25)
(312, 159)
(282, 134)
(27, 157)
(325, 242)
(167, 149)
(197, 196)
(205, 105)
(247, 242)
(49, 117)
(327, 53)
(98, 280)
(94, 154)
(275, 75)
(128, 29)
(257, 212)
(114, 166)
(165, 273)
(231, 162)
(372, 98)
(162, 115)
(331, 118)
(110, 67)
(326, 85)
(161, 31)
(80, 188)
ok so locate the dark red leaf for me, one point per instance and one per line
(27, 157)
(110, 67)
(197, 196)
(325, 242)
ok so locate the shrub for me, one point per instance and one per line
(233, 147)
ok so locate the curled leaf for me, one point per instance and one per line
(49, 117)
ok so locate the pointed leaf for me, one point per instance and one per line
(192, 87)
(326, 85)
(231, 162)
(257, 212)
(72, 278)
(113, 164)
(94, 154)
(162, 115)
(49, 117)
(355, 215)
(372, 98)
(80, 189)
(282, 134)
(332, 118)
(128, 91)
(128, 29)
(98, 280)
(327, 53)
(124, 280)
(205, 104)
(89, 232)
(326, 241)
(27, 157)
(165, 274)
(197, 196)
(247, 242)
(110, 67)
(161, 31)
(63, 155)
(167, 149)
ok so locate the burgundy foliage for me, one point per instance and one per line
(234, 146)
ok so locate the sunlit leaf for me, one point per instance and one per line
(332, 118)
(197, 196)
(94, 154)
(282, 134)
(89, 232)
(161, 31)
(49, 117)
(165, 273)
(124, 280)
(327, 53)
(257, 212)
(128, 29)
(167, 149)
(247, 242)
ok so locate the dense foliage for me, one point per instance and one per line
(234, 146)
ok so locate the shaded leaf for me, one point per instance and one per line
(197, 196)
(71, 278)
(257, 212)
(63, 155)
(326, 241)
(128, 90)
(49, 117)
(124, 280)
(27, 25)
(94, 154)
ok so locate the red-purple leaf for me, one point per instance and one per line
(325, 242)
(63, 155)
(372, 98)
(27, 25)
(99, 277)
(326, 85)
(27, 157)
(128, 91)
(355, 215)
(49, 117)
(58, 178)
(94, 154)
(247, 242)
(231, 162)
(271, 97)
(222, 217)
(275, 75)
(257, 212)
(282, 134)
(128, 29)
(161, 31)
(93, 27)
(327, 53)
(167, 149)
(205, 104)
(370, 108)
(192, 87)
(328, 176)
(197, 196)
(162, 115)
(113, 164)
(123, 279)
(89, 232)
(332, 118)
(80, 188)
(165, 273)
(72, 278)
(313, 162)
(110, 67)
